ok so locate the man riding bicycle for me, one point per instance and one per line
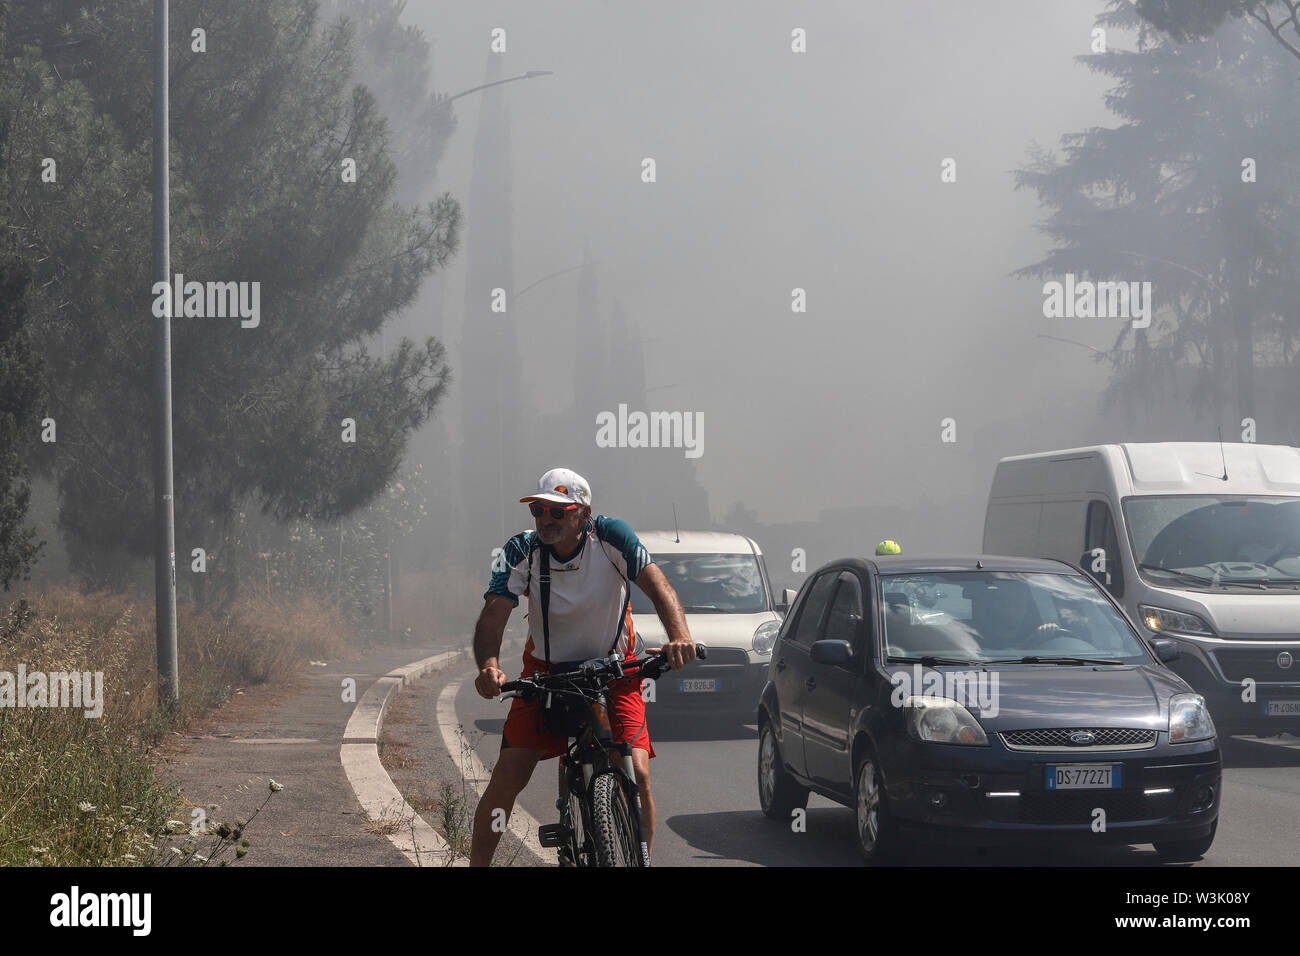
(591, 562)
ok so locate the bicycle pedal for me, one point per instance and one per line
(553, 834)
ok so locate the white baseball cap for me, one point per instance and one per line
(562, 486)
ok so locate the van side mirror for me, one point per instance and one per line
(787, 598)
(1166, 650)
(1101, 577)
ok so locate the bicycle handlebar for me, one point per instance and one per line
(600, 670)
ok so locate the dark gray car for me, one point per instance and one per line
(983, 700)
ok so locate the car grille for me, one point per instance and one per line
(1106, 738)
(725, 656)
(1077, 806)
(1258, 664)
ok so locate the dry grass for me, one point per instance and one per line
(55, 762)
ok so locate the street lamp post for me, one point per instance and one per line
(164, 558)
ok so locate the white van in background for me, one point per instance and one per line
(1198, 541)
(722, 582)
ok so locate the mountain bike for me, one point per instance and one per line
(599, 802)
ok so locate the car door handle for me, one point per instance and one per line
(811, 683)
(780, 665)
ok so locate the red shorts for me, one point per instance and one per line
(524, 728)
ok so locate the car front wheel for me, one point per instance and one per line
(778, 793)
(875, 827)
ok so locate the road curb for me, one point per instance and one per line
(373, 787)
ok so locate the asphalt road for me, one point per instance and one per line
(705, 789)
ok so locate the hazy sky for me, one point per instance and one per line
(775, 170)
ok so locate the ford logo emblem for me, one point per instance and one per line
(1081, 738)
(1285, 660)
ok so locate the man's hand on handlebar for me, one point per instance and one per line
(679, 653)
(489, 681)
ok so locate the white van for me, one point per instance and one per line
(722, 582)
(1198, 541)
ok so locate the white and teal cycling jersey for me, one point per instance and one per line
(589, 592)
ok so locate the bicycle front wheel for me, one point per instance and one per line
(615, 832)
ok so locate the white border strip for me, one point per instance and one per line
(374, 788)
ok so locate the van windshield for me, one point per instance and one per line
(1205, 541)
(979, 616)
(709, 583)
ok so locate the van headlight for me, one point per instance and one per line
(765, 637)
(1160, 619)
(941, 720)
(1189, 719)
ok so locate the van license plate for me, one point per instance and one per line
(1084, 776)
(1282, 708)
(698, 685)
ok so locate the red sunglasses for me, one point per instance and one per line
(557, 513)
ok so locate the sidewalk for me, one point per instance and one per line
(290, 733)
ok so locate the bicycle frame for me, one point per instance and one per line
(586, 758)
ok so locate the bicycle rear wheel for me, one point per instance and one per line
(615, 833)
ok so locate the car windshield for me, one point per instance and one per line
(709, 583)
(1205, 541)
(976, 616)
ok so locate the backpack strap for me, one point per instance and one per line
(545, 582)
(627, 589)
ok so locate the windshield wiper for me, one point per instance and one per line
(1174, 571)
(932, 661)
(1056, 660)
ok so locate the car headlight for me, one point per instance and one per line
(1189, 719)
(765, 637)
(941, 720)
(1159, 619)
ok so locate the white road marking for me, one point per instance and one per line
(522, 823)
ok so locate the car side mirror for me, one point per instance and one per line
(787, 598)
(1166, 650)
(834, 653)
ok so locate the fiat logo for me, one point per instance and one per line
(1285, 660)
(1081, 738)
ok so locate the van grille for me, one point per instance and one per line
(1258, 664)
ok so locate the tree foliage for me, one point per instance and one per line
(1187, 20)
(20, 370)
(261, 126)
(1166, 196)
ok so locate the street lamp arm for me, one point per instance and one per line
(509, 79)
(520, 293)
